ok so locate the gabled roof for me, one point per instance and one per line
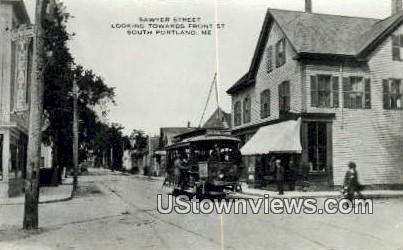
(318, 35)
(219, 119)
(176, 130)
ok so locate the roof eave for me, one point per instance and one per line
(308, 55)
(235, 89)
(371, 45)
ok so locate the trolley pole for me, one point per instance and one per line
(30, 221)
(75, 135)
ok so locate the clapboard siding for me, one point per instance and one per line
(373, 138)
(264, 80)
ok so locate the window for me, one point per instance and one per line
(284, 97)
(265, 104)
(269, 59)
(325, 91)
(357, 92)
(397, 48)
(237, 114)
(392, 94)
(246, 109)
(317, 149)
(280, 53)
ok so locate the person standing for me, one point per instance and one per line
(177, 171)
(292, 174)
(279, 170)
(351, 183)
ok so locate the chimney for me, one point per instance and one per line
(396, 6)
(188, 124)
(308, 6)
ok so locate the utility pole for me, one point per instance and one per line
(75, 135)
(35, 123)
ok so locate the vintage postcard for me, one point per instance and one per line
(203, 124)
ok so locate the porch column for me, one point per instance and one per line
(4, 184)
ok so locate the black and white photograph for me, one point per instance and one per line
(201, 124)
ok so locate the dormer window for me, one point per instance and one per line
(280, 53)
(397, 48)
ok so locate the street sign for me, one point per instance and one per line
(23, 32)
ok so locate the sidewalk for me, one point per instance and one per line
(374, 194)
(47, 194)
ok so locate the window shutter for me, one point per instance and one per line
(396, 43)
(283, 44)
(314, 91)
(262, 106)
(268, 102)
(335, 88)
(277, 52)
(367, 93)
(269, 59)
(288, 95)
(244, 110)
(395, 40)
(386, 101)
(346, 89)
(396, 53)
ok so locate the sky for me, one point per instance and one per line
(163, 81)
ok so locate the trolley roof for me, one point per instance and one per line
(203, 138)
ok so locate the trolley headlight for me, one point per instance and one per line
(221, 176)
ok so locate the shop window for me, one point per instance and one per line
(317, 149)
(265, 104)
(392, 94)
(357, 93)
(325, 91)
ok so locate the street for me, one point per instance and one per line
(116, 211)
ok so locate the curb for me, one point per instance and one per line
(70, 197)
(303, 196)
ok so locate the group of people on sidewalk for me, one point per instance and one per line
(351, 186)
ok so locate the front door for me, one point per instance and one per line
(318, 151)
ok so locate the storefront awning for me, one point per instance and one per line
(283, 137)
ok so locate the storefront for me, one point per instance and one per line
(304, 147)
(15, 68)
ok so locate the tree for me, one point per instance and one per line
(109, 145)
(58, 99)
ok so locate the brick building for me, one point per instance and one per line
(15, 57)
(342, 78)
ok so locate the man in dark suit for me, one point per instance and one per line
(279, 170)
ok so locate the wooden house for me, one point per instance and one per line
(342, 78)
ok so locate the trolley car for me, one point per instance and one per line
(205, 165)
